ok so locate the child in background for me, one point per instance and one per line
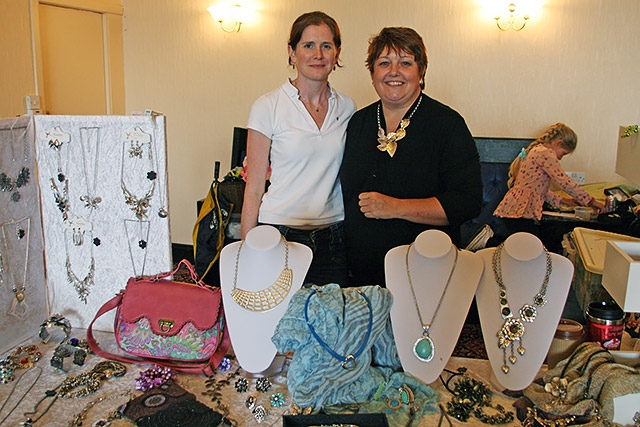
(530, 177)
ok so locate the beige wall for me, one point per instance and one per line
(576, 62)
(17, 75)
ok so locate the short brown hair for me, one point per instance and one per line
(398, 39)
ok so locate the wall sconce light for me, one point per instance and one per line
(229, 17)
(513, 20)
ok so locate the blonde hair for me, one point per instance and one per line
(568, 138)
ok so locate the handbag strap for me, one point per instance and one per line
(186, 263)
(207, 368)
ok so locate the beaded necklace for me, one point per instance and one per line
(389, 142)
(513, 327)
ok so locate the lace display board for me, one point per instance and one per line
(22, 282)
(103, 185)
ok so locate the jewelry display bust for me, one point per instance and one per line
(433, 284)
(522, 266)
(254, 270)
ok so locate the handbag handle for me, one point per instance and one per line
(186, 263)
(207, 368)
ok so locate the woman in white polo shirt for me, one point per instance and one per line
(296, 133)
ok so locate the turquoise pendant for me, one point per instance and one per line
(424, 348)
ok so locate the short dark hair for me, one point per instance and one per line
(313, 18)
(398, 39)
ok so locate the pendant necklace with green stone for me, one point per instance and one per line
(424, 348)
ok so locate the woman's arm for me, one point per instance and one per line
(423, 211)
(258, 148)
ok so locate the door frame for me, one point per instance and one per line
(112, 38)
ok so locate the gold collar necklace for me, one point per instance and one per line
(513, 328)
(389, 142)
(268, 298)
(424, 348)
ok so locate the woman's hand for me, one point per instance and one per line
(376, 205)
(599, 207)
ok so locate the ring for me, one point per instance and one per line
(55, 321)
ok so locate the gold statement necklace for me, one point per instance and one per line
(513, 327)
(268, 298)
(424, 348)
(389, 142)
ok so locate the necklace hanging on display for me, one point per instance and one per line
(81, 286)
(268, 298)
(162, 212)
(137, 241)
(9, 184)
(15, 246)
(424, 347)
(513, 328)
(139, 205)
(90, 144)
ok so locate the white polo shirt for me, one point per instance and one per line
(305, 188)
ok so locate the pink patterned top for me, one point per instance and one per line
(531, 188)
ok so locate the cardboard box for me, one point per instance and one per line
(621, 275)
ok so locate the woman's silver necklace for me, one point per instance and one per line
(389, 142)
(424, 347)
(315, 107)
(22, 239)
(323, 99)
(162, 212)
(90, 144)
(513, 327)
(268, 298)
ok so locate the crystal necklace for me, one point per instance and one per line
(389, 142)
(9, 184)
(81, 286)
(22, 238)
(424, 348)
(513, 328)
(139, 205)
(268, 298)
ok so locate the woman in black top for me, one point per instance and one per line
(410, 162)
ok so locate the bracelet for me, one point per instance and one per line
(55, 321)
(65, 350)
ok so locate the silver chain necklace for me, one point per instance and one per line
(18, 306)
(268, 298)
(424, 348)
(389, 142)
(513, 328)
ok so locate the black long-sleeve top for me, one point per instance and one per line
(437, 158)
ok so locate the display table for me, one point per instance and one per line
(115, 391)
